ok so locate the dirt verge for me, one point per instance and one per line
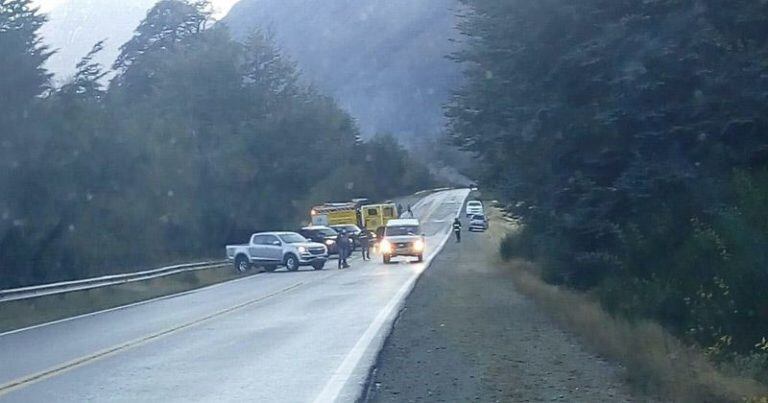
(466, 334)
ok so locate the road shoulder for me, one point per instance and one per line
(465, 334)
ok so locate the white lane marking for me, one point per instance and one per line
(334, 387)
(26, 380)
(134, 304)
(117, 308)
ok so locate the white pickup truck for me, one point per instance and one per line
(273, 249)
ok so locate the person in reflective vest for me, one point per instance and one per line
(457, 229)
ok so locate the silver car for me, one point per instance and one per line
(478, 222)
(273, 249)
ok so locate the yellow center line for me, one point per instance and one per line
(78, 362)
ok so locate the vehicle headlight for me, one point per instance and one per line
(386, 247)
(418, 245)
(330, 242)
(302, 249)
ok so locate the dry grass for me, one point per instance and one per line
(29, 312)
(656, 362)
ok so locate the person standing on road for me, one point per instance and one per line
(343, 244)
(365, 238)
(457, 229)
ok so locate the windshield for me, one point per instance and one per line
(478, 217)
(348, 228)
(292, 238)
(326, 232)
(402, 230)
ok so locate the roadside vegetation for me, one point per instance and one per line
(630, 140)
(33, 311)
(190, 141)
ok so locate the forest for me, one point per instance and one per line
(189, 141)
(630, 139)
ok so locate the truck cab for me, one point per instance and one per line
(376, 216)
(402, 237)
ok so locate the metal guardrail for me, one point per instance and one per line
(96, 282)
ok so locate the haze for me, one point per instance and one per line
(76, 25)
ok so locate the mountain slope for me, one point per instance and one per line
(75, 26)
(385, 61)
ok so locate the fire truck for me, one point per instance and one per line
(371, 216)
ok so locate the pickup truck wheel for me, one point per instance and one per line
(420, 258)
(242, 264)
(387, 258)
(292, 263)
(318, 266)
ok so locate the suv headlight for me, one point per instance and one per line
(302, 249)
(330, 242)
(386, 247)
(418, 245)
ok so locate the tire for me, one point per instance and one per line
(270, 268)
(291, 262)
(420, 258)
(242, 264)
(318, 266)
(387, 258)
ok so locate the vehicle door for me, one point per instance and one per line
(388, 213)
(256, 248)
(273, 248)
(371, 218)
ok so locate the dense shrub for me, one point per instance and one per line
(631, 138)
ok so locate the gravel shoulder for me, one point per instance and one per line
(465, 334)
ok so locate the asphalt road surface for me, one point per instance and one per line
(287, 337)
(465, 334)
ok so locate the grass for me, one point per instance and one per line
(29, 312)
(656, 362)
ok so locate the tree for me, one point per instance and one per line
(613, 128)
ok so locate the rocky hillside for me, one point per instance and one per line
(385, 61)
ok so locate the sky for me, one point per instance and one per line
(221, 7)
(74, 26)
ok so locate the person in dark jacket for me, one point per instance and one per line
(365, 243)
(457, 229)
(343, 244)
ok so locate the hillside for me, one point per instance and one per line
(75, 26)
(385, 61)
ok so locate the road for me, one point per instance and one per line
(288, 337)
(466, 334)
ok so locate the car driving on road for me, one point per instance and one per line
(478, 222)
(402, 237)
(273, 249)
(474, 207)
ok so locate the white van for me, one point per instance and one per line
(403, 237)
(474, 207)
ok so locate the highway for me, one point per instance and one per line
(289, 337)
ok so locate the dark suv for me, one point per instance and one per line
(322, 234)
